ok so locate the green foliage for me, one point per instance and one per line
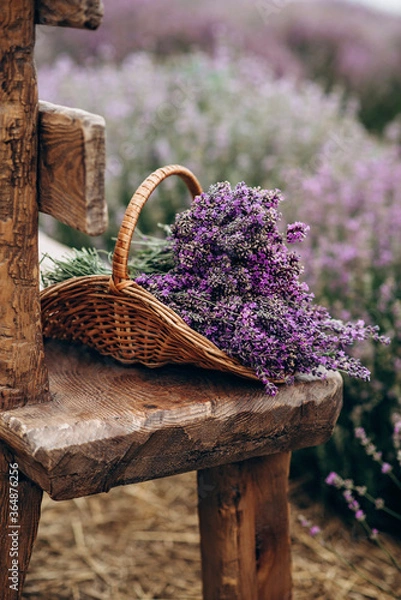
(80, 263)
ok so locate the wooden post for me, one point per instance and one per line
(22, 373)
(70, 183)
(244, 525)
(20, 502)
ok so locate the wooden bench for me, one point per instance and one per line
(74, 423)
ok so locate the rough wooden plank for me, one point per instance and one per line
(82, 14)
(72, 166)
(22, 373)
(108, 424)
(20, 503)
(244, 526)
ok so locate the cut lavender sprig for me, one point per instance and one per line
(348, 485)
(371, 450)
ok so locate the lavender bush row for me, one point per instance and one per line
(353, 264)
(335, 43)
(341, 44)
(139, 25)
(187, 110)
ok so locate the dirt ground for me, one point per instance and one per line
(142, 542)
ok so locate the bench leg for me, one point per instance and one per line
(244, 526)
(20, 501)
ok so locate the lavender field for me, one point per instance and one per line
(301, 97)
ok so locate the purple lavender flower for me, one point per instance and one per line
(360, 515)
(296, 232)
(334, 479)
(360, 435)
(304, 521)
(354, 505)
(348, 497)
(314, 530)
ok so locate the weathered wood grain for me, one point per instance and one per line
(108, 424)
(72, 166)
(20, 503)
(22, 372)
(244, 526)
(227, 529)
(273, 546)
(82, 14)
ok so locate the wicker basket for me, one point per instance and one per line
(121, 319)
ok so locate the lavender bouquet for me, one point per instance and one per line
(232, 278)
(235, 281)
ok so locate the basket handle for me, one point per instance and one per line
(123, 243)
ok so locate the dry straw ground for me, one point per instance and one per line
(142, 542)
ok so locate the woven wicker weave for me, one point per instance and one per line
(121, 319)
